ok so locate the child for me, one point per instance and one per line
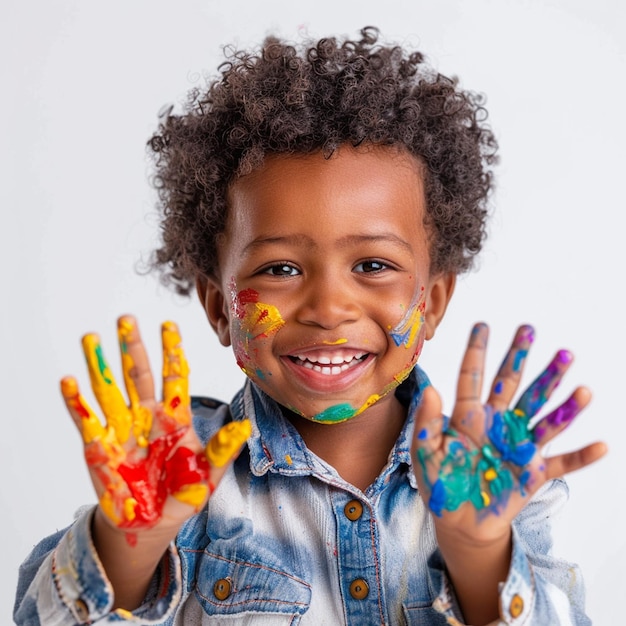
(321, 201)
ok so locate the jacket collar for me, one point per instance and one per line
(276, 446)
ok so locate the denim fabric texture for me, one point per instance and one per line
(285, 540)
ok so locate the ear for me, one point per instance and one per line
(215, 306)
(439, 293)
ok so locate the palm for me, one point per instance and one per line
(146, 463)
(480, 468)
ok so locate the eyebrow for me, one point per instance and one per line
(302, 240)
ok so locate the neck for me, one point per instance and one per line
(359, 447)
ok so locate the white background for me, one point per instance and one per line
(82, 83)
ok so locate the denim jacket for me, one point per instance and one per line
(285, 540)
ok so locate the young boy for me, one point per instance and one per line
(321, 201)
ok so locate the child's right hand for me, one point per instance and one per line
(147, 465)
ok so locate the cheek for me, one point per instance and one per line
(252, 323)
(409, 331)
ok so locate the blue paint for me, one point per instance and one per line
(519, 359)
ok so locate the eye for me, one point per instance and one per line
(281, 269)
(371, 267)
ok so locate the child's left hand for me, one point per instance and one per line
(478, 470)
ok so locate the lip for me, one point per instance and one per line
(316, 381)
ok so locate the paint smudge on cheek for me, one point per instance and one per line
(252, 321)
(407, 332)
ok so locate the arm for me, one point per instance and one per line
(480, 470)
(150, 473)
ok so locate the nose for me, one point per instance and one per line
(328, 302)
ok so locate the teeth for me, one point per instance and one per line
(320, 363)
(335, 360)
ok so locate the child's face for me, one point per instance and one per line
(324, 288)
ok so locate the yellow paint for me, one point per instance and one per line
(486, 498)
(193, 495)
(491, 474)
(335, 343)
(228, 439)
(142, 425)
(288, 459)
(375, 397)
(108, 507)
(105, 389)
(262, 319)
(129, 509)
(127, 615)
(175, 372)
(90, 427)
(411, 324)
(519, 413)
(141, 415)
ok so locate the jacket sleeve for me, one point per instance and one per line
(540, 588)
(62, 582)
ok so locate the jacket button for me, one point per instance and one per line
(222, 589)
(359, 589)
(353, 510)
(517, 606)
(81, 611)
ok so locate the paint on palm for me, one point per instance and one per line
(486, 472)
(135, 480)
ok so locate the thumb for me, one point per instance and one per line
(429, 421)
(224, 447)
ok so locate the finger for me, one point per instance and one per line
(562, 464)
(137, 378)
(509, 374)
(542, 387)
(224, 447)
(135, 364)
(105, 388)
(101, 447)
(471, 376)
(87, 422)
(175, 371)
(429, 421)
(559, 419)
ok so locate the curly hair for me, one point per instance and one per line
(284, 99)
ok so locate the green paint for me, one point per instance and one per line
(461, 478)
(102, 365)
(335, 413)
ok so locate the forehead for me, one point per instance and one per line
(363, 190)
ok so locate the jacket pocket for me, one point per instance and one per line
(227, 586)
(417, 614)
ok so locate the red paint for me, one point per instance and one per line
(245, 296)
(80, 409)
(147, 475)
(185, 467)
(131, 539)
(174, 402)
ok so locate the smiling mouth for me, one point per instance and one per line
(327, 365)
